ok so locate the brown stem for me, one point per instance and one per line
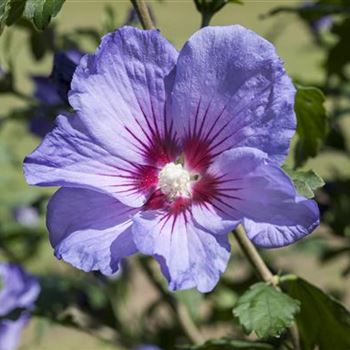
(253, 256)
(143, 14)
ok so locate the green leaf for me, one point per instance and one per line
(229, 344)
(40, 12)
(306, 182)
(4, 12)
(109, 19)
(323, 321)
(265, 310)
(41, 42)
(312, 123)
(16, 11)
(339, 55)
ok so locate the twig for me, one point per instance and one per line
(263, 271)
(143, 14)
(179, 309)
(253, 256)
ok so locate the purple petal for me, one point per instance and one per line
(120, 93)
(259, 193)
(19, 289)
(70, 156)
(147, 347)
(64, 65)
(45, 91)
(207, 216)
(231, 90)
(41, 122)
(10, 332)
(90, 230)
(190, 256)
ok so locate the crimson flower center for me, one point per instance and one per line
(174, 181)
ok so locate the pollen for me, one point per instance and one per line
(175, 181)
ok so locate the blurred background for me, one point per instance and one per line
(26, 57)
